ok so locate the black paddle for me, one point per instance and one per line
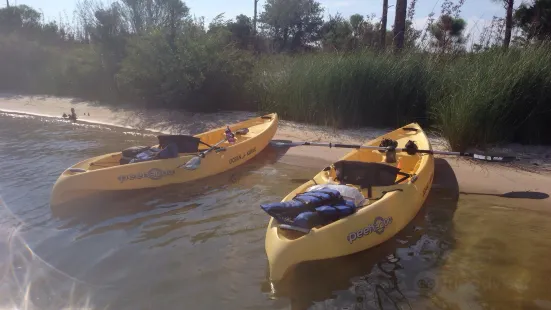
(195, 162)
(411, 150)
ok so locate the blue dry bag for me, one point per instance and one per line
(310, 209)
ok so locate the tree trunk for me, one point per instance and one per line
(8, 3)
(172, 27)
(508, 23)
(400, 23)
(285, 38)
(255, 14)
(383, 24)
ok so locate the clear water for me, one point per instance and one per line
(201, 246)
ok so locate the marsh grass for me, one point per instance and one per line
(494, 97)
(471, 100)
(347, 90)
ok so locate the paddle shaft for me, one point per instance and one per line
(241, 131)
(194, 163)
(492, 158)
(202, 154)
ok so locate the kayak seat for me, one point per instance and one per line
(169, 151)
(181, 144)
(367, 175)
(151, 153)
(131, 152)
(184, 143)
(134, 150)
(408, 163)
(310, 209)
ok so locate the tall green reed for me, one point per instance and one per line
(471, 100)
(494, 97)
(347, 90)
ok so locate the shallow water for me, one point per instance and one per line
(201, 246)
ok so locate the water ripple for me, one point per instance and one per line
(201, 245)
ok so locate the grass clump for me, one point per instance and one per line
(472, 100)
(347, 90)
(494, 97)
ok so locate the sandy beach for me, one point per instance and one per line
(519, 181)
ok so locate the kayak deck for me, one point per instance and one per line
(255, 126)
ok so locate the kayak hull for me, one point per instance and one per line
(104, 173)
(370, 225)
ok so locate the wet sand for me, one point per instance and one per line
(529, 184)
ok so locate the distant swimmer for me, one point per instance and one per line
(72, 116)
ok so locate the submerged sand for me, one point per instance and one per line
(528, 181)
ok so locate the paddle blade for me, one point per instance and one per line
(283, 143)
(193, 163)
(493, 158)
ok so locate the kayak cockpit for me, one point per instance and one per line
(346, 186)
(169, 146)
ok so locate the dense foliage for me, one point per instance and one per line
(339, 71)
(156, 55)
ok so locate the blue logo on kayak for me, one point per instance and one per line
(153, 174)
(378, 227)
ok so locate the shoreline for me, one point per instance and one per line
(472, 176)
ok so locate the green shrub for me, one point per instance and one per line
(27, 66)
(200, 71)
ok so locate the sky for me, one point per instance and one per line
(476, 13)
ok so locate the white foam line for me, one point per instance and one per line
(24, 112)
(84, 121)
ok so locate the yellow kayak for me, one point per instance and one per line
(387, 208)
(118, 171)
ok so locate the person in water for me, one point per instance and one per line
(72, 116)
